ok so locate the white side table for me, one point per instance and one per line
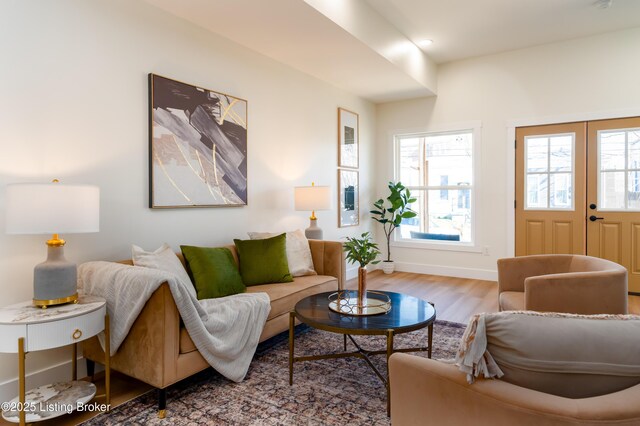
(25, 328)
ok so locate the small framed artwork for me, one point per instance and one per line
(348, 204)
(197, 146)
(348, 138)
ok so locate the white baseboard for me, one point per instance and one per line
(448, 271)
(56, 373)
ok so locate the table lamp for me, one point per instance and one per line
(53, 208)
(312, 198)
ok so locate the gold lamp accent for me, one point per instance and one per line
(53, 208)
(312, 198)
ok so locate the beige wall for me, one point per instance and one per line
(74, 106)
(588, 78)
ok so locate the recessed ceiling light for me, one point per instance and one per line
(425, 42)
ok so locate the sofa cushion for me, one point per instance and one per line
(214, 271)
(575, 356)
(512, 301)
(297, 249)
(263, 261)
(284, 297)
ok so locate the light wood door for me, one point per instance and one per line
(613, 194)
(550, 189)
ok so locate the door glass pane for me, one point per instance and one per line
(561, 153)
(633, 196)
(537, 191)
(410, 167)
(612, 190)
(561, 191)
(612, 150)
(545, 157)
(634, 149)
(537, 154)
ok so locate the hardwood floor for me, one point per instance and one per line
(455, 299)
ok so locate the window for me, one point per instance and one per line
(438, 168)
(619, 169)
(549, 172)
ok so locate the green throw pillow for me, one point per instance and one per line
(214, 271)
(263, 261)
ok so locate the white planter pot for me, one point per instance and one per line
(388, 267)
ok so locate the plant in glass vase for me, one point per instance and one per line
(390, 213)
(364, 252)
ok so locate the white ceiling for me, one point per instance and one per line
(299, 35)
(467, 28)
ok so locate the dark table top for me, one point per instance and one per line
(407, 313)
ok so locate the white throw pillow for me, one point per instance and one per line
(297, 248)
(163, 259)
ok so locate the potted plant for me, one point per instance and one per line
(362, 251)
(390, 215)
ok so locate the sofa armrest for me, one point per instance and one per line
(587, 293)
(328, 259)
(428, 391)
(151, 348)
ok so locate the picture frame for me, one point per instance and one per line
(197, 146)
(348, 138)
(348, 198)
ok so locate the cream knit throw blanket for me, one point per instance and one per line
(473, 358)
(225, 330)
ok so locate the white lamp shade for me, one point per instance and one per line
(52, 208)
(308, 198)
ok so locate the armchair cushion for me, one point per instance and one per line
(512, 301)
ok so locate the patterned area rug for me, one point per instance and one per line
(326, 392)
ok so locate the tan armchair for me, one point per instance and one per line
(562, 283)
(425, 391)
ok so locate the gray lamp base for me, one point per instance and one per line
(313, 232)
(55, 280)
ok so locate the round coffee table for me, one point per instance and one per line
(407, 314)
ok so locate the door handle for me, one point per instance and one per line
(593, 218)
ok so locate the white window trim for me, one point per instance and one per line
(473, 246)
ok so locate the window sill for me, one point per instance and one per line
(444, 246)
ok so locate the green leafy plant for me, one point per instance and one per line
(391, 213)
(361, 250)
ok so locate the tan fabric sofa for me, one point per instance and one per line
(158, 349)
(562, 283)
(559, 369)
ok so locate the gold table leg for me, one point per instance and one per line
(21, 380)
(107, 361)
(389, 353)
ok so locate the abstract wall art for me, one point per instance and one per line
(348, 138)
(349, 206)
(197, 146)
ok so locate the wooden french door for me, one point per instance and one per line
(550, 189)
(613, 194)
(578, 191)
